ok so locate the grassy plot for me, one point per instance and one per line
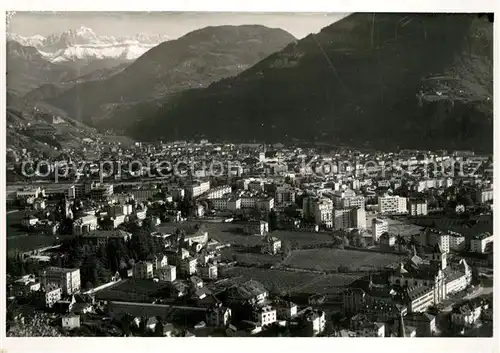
(249, 258)
(331, 259)
(140, 290)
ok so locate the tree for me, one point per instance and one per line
(89, 271)
(159, 328)
(101, 253)
(361, 242)
(255, 214)
(286, 248)
(273, 220)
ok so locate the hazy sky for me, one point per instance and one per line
(171, 24)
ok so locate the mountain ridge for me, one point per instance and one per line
(84, 44)
(366, 79)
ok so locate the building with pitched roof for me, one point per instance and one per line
(430, 282)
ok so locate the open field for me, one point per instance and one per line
(272, 279)
(139, 290)
(303, 238)
(331, 259)
(234, 238)
(250, 258)
(332, 283)
(225, 232)
(293, 282)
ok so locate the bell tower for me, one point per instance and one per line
(438, 260)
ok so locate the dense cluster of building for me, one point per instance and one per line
(297, 189)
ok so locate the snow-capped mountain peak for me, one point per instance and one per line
(83, 44)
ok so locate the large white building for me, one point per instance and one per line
(323, 212)
(218, 192)
(348, 199)
(392, 205)
(349, 218)
(196, 189)
(379, 227)
(84, 225)
(265, 315)
(433, 237)
(68, 279)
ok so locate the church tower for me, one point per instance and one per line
(438, 263)
(438, 260)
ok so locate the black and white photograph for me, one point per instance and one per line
(248, 174)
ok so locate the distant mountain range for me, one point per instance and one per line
(70, 57)
(375, 80)
(369, 80)
(83, 44)
(195, 60)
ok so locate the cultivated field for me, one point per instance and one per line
(331, 259)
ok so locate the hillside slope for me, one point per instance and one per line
(192, 61)
(379, 80)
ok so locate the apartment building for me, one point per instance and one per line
(50, 295)
(84, 225)
(379, 227)
(68, 279)
(218, 316)
(485, 195)
(256, 185)
(479, 242)
(265, 315)
(266, 204)
(218, 192)
(208, 271)
(349, 218)
(323, 212)
(433, 237)
(100, 191)
(196, 189)
(97, 238)
(167, 273)
(220, 203)
(143, 270)
(417, 207)
(284, 195)
(392, 205)
(234, 204)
